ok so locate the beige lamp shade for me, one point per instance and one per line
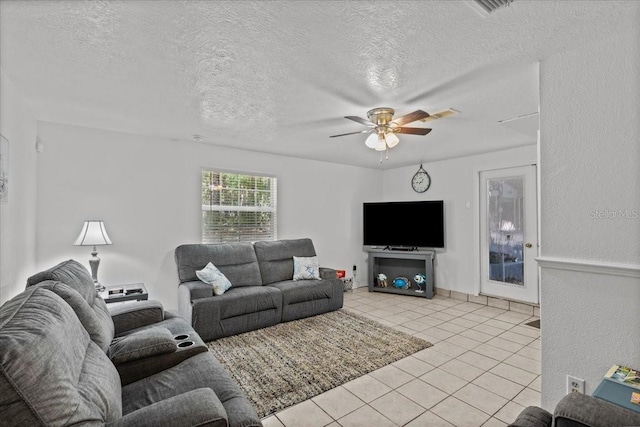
(93, 233)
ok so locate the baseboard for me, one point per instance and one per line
(502, 303)
(611, 269)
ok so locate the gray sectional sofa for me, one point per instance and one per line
(68, 359)
(263, 292)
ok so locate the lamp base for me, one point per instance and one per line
(94, 262)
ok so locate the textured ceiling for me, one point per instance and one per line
(278, 76)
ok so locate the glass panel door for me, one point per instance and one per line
(508, 234)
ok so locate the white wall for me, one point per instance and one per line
(455, 182)
(18, 215)
(147, 190)
(590, 157)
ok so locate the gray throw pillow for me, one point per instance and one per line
(214, 277)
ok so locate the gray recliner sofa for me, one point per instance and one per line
(67, 359)
(263, 291)
(124, 329)
(578, 410)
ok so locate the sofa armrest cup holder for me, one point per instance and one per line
(182, 342)
(185, 344)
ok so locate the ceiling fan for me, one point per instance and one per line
(384, 127)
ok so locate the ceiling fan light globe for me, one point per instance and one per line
(392, 139)
(372, 141)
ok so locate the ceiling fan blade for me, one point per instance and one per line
(360, 120)
(352, 133)
(414, 131)
(441, 114)
(410, 118)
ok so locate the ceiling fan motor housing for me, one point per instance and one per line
(381, 116)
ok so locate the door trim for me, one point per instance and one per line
(476, 218)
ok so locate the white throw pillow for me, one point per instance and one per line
(306, 268)
(214, 277)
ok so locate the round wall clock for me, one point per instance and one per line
(421, 181)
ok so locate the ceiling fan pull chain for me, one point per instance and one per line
(387, 154)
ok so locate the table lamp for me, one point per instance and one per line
(93, 234)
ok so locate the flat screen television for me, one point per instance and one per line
(404, 224)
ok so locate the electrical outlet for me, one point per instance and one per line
(575, 385)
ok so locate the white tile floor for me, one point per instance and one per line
(483, 369)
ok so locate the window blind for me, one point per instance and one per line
(238, 207)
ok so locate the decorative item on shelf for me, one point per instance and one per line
(401, 283)
(421, 280)
(94, 234)
(381, 281)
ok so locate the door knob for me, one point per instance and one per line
(528, 245)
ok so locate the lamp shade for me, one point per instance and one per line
(93, 233)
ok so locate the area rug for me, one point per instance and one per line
(285, 364)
